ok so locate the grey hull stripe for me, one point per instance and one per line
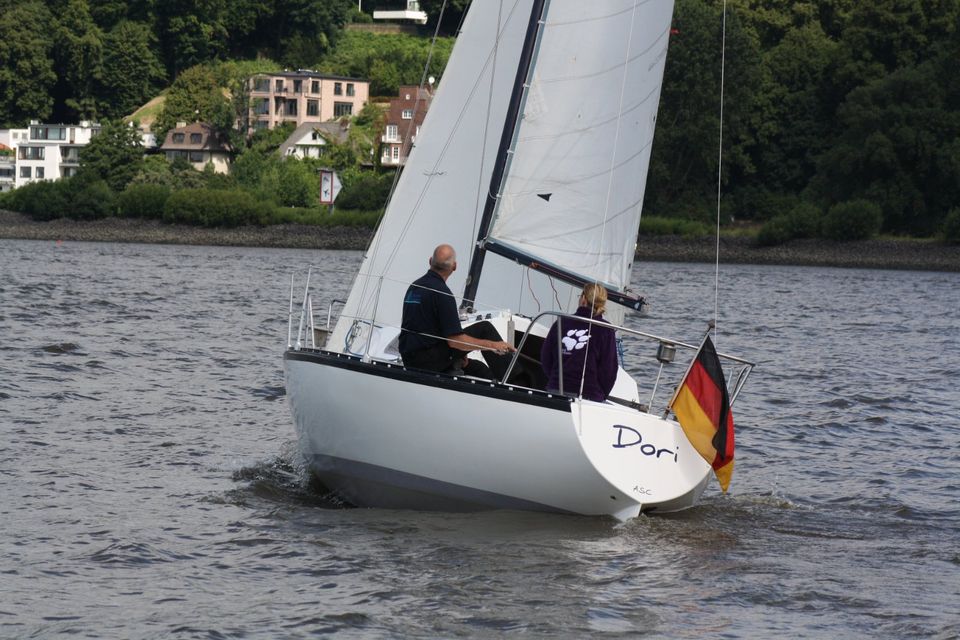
(371, 485)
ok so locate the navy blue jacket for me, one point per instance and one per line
(428, 308)
(588, 349)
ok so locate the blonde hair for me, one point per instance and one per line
(596, 297)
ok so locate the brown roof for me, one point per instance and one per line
(209, 140)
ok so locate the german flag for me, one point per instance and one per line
(702, 407)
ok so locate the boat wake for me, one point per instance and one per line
(282, 480)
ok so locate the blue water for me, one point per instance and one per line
(149, 485)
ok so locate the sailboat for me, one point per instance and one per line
(533, 156)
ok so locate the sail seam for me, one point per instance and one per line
(616, 67)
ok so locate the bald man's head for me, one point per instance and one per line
(444, 260)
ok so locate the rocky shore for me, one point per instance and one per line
(877, 254)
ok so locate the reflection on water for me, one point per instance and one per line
(149, 484)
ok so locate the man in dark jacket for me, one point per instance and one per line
(431, 336)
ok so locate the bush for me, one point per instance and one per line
(214, 208)
(41, 200)
(803, 221)
(321, 217)
(951, 226)
(852, 220)
(776, 230)
(143, 201)
(661, 226)
(91, 200)
(368, 191)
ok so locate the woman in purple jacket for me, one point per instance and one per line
(588, 351)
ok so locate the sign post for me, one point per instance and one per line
(329, 187)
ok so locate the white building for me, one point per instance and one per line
(47, 151)
(310, 139)
(412, 13)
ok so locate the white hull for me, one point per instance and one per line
(383, 436)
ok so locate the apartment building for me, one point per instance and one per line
(46, 151)
(403, 121)
(303, 96)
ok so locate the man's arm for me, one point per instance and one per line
(463, 342)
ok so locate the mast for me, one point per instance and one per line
(506, 138)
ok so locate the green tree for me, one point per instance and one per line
(452, 14)
(132, 72)
(388, 60)
(115, 155)
(797, 126)
(191, 32)
(26, 69)
(899, 146)
(683, 166)
(79, 61)
(195, 96)
(108, 13)
(301, 31)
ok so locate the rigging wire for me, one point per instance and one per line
(716, 274)
(477, 206)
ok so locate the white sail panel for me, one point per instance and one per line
(441, 193)
(576, 174)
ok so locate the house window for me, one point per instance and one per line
(342, 109)
(314, 86)
(178, 137)
(278, 86)
(48, 133)
(40, 173)
(407, 114)
(69, 172)
(24, 172)
(261, 124)
(297, 86)
(290, 108)
(31, 153)
(396, 154)
(195, 138)
(392, 133)
(261, 106)
(196, 156)
(261, 84)
(338, 88)
(313, 107)
(349, 88)
(6, 172)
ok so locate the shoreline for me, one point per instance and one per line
(919, 255)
